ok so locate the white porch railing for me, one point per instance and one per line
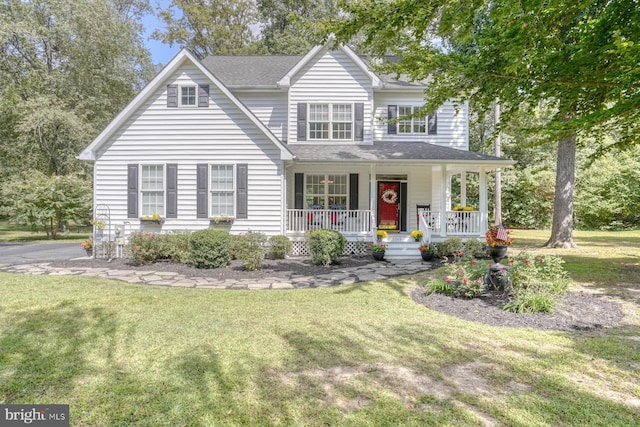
(458, 223)
(348, 222)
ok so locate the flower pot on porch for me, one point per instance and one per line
(427, 256)
(498, 252)
(89, 252)
(378, 256)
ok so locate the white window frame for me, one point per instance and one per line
(212, 212)
(326, 195)
(163, 192)
(195, 96)
(331, 122)
(411, 123)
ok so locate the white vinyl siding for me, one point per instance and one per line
(222, 190)
(452, 124)
(220, 134)
(331, 78)
(152, 190)
(270, 108)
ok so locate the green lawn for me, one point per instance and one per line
(356, 355)
(15, 233)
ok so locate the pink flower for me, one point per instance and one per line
(504, 268)
(479, 282)
(460, 254)
(474, 262)
(447, 281)
(466, 281)
(460, 273)
(511, 261)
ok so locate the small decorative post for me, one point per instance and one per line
(498, 240)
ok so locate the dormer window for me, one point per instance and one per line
(330, 122)
(187, 96)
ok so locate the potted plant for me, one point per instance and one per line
(417, 235)
(87, 245)
(378, 250)
(498, 239)
(381, 234)
(427, 251)
(152, 219)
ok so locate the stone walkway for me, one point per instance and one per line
(345, 276)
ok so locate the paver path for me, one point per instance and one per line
(344, 276)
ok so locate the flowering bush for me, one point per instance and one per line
(378, 247)
(466, 280)
(427, 247)
(497, 235)
(87, 244)
(142, 248)
(381, 234)
(416, 234)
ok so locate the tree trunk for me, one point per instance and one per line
(562, 228)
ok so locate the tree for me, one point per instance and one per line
(47, 202)
(581, 57)
(210, 27)
(67, 67)
(287, 29)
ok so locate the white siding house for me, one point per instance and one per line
(283, 145)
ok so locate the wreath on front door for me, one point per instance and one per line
(389, 196)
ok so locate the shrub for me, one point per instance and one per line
(145, 248)
(279, 246)
(251, 249)
(466, 279)
(474, 248)
(210, 248)
(142, 248)
(451, 246)
(326, 246)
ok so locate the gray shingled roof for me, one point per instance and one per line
(266, 71)
(251, 71)
(387, 150)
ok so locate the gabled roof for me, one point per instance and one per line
(385, 151)
(184, 55)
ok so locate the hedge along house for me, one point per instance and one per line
(283, 145)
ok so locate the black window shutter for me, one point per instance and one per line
(433, 123)
(172, 191)
(353, 191)
(299, 191)
(403, 206)
(242, 186)
(132, 191)
(302, 121)
(172, 96)
(202, 177)
(203, 96)
(392, 113)
(359, 122)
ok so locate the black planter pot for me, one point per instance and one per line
(378, 256)
(427, 256)
(498, 252)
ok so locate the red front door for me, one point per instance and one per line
(388, 199)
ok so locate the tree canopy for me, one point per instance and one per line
(581, 57)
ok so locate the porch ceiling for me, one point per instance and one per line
(388, 151)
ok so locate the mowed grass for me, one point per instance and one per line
(10, 232)
(363, 354)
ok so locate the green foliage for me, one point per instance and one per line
(326, 246)
(464, 279)
(608, 192)
(145, 248)
(210, 28)
(210, 248)
(531, 303)
(279, 246)
(47, 202)
(527, 198)
(68, 67)
(251, 248)
(451, 246)
(474, 248)
(439, 286)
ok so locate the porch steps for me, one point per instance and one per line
(401, 246)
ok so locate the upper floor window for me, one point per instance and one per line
(411, 121)
(188, 96)
(328, 121)
(152, 190)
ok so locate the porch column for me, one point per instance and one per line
(373, 195)
(484, 206)
(463, 188)
(445, 183)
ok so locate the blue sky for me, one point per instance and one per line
(160, 52)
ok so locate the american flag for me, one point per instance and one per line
(502, 233)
